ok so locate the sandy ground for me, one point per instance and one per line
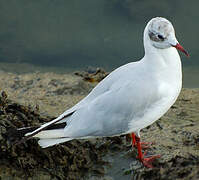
(175, 135)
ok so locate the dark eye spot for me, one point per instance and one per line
(160, 37)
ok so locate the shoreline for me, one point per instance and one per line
(190, 73)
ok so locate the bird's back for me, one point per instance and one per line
(114, 103)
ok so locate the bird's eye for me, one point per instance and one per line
(161, 37)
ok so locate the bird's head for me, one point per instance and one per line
(161, 34)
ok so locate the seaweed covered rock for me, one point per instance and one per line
(92, 75)
(70, 161)
(175, 136)
(176, 168)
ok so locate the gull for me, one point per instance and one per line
(129, 99)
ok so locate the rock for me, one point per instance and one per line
(94, 75)
(29, 160)
(175, 135)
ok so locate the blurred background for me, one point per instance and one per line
(62, 36)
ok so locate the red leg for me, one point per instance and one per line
(147, 161)
(133, 139)
(143, 144)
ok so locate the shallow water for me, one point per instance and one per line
(76, 34)
(190, 77)
(120, 163)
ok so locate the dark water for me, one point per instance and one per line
(76, 34)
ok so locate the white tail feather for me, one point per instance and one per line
(44, 143)
(48, 134)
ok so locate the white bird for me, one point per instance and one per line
(129, 99)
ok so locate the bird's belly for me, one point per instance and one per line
(154, 111)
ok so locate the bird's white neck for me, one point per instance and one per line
(166, 63)
(162, 58)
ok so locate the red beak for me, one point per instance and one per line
(179, 47)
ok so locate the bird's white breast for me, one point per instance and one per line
(169, 82)
(155, 110)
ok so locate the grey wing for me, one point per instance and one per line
(110, 113)
(105, 85)
(99, 90)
